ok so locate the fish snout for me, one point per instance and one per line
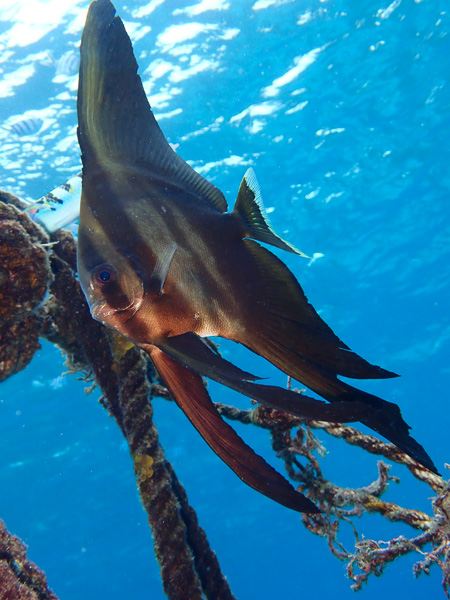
(112, 316)
(101, 311)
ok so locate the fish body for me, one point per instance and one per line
(205, 243)
(163, 261)
(67, 64)
(25, 127)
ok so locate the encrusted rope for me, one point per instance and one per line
(31, 263)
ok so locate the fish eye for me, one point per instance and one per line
(103, 274)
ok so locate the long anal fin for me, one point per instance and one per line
(189, 392)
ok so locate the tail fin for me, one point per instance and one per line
(354, 405)
(192, 352)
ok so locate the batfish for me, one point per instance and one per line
(163, 261)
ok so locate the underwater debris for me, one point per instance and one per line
(128, 383)
(58, 208)
(292, 437)
(173, 522)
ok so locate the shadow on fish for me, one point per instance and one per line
(162, 261)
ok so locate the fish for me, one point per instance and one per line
(24, 127)
(67, 64)
(163, 261)
(57, 208)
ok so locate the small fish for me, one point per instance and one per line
(58, 208)
(68, 63)
(162, 261)
(24, 127)
(48, 60)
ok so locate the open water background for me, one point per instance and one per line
(342, 108)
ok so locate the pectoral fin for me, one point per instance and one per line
(161, 268)
(189, 392)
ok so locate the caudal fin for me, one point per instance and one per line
(290, 333)
(195, 354)
(354, 405)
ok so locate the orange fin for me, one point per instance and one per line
(189, 392)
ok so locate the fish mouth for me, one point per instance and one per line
(102, 311)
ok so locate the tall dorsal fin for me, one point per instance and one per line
(116, 125)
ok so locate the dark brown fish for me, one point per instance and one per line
(162, 261)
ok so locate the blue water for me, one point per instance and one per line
(350, 147)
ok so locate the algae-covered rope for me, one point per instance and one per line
(31, 264)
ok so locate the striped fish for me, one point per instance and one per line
(162, 261)
(23, 127)
(67, 64)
